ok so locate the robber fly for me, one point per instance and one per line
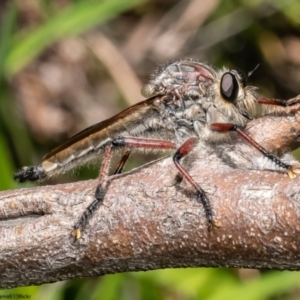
(188, 102)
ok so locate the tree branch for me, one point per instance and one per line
(150, 221)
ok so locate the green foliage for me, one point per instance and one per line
(18, 48)
(6, 165)
(191, 284)
(74, 19)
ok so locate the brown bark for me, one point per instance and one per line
(150, 221)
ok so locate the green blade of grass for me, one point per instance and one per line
(72, 20)
(6, 30)
(6, 165)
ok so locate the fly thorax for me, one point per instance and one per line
(188, 78)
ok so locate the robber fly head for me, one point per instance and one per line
(232, 81)
(235, 101)
(223, 95)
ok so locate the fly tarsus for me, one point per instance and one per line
(201, 195)
(184, 150)
(292, 170)
(32, 173)
(99, 196)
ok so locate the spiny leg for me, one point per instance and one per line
(182, 151)
(129, 142)
(226, 127)
(99, 194)
(120, 166)
(279, 102)
(34, 173)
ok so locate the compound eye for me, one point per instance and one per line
(229, 87)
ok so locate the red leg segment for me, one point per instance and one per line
(226, 127)
(130, 142)
(142, 143)
(184, 150)
(278, 102)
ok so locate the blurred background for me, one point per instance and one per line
(67, 64)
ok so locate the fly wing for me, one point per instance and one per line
(89, 143)
(105, 125)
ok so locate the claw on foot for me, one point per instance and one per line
(293, 171)
(214, 223)
(76, 233)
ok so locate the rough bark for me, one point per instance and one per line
(149, 220)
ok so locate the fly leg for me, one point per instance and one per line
(182, 151)
(279, 102)
(120, 166)
(99, 194)
(227, 127)
(127, 142)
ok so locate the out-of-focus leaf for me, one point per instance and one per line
(49, 291)
(149, 289)
(109, 288)
(8, 117)
(20, 292)
(270, 284)
(7, 25)
(191, 281)
(72, 20)
(292, 12)
(6, 165)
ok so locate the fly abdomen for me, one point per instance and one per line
(75, 155)
(30, 173)
(60, 162)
